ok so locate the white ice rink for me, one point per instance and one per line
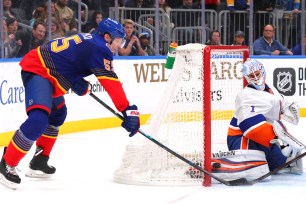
(86, 161)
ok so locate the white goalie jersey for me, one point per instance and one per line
(254, 114)
(251, 102)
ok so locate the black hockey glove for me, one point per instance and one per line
(81, 87)
(131, 120)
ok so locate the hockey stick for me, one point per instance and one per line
(236, 182)
(284, 129)
(276, 169)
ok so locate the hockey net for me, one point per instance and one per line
(191, 119)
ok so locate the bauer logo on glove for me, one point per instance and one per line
(131, 120)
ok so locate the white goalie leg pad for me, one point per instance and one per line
(291, 112)
(283, 135)
(235, 164)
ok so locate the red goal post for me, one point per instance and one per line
(208, 59)
(192, 118)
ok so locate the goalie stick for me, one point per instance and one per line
(284, 129)
(236, 182)
(276, 169)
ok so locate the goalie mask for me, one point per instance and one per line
(255, 74)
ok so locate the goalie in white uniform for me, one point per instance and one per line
(256, 123)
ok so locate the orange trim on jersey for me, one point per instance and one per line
(262, 134)
(108, 78)
(20, 150)
(40, 57)
(244, 143)
(53, 79)
(50, 137)
(234, 132)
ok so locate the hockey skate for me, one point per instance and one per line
(39, 167)
(8, 175)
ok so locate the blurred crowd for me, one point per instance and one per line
(26, 24)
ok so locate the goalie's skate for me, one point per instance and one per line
(8, 175)
(39, 167)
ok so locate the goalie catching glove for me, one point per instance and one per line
(131, 120)
(81, 87)
(291, 112)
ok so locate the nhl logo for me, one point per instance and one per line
(284, 82)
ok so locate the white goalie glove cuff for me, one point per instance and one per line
(287, 139)
(291, 113)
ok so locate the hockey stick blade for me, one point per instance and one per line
(276, 169)
(236, 182)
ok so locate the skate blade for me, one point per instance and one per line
(8, 183)
(37, 174)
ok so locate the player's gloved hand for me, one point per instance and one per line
(131, 120)
(81, 87)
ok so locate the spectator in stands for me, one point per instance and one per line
(41, 13)
(174, 3)
(139, 3)
(237, 20)
(239, 38)
(297, 50)
(66, 14)
(238, 5)
(56, 31)
(5, 40)
(187, 19)
(209, 4)
(214, 38)
(288, 19)
(264, 5)
(54, 12)
(262, 19)
(33, 39)
(132, 45)
(134, 14)
(97, 17)
(13, 40)
(144, 38)
(28, 6)
(163, 4)
(10, 12)
(266, 45)
(96, 5)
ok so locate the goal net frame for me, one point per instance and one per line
(207, 103)
(132, 171)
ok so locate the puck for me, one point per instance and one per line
(216, 165)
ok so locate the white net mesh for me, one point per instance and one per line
(178, 121)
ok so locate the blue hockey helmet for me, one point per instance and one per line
(254, 72)
(112, 27)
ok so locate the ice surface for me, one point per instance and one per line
(86, 162)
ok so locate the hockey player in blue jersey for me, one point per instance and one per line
(48, 72)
